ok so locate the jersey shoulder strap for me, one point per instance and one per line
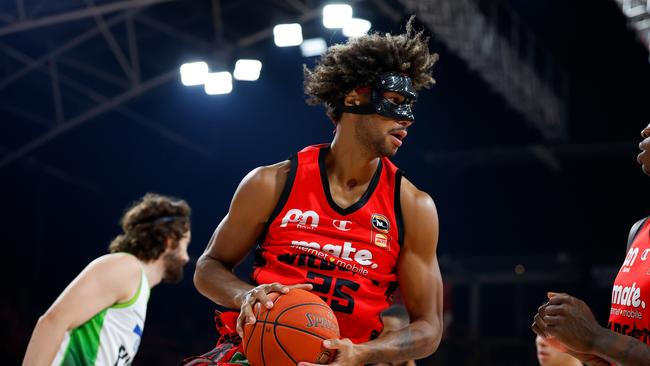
(635, 230)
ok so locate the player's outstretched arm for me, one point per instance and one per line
(105, 281)
(571, 322)
(421, 285)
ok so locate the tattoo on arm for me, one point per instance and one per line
(402, 345)
(635, 353)
(625, 350)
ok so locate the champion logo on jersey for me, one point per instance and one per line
(380, 223)
(342, 225)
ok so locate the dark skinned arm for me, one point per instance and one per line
(571, 322)
(235, 236)
(421, 285)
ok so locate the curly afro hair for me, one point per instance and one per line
(148, 223)
(357, 63)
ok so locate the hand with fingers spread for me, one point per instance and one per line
(346, 353)
(569, 321)
(260, 294)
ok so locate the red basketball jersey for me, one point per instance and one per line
(348, 254)
(630, 311)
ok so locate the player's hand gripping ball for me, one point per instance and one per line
(293, 330)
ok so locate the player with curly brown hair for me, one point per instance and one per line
(99, 317)
(339, 218)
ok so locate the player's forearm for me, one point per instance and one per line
(46, 339)
(420, 339)
(621, 349)
(217, 282)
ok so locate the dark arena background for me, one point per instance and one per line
(527, 144)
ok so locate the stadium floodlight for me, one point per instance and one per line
(313, 47)
(218, 83)
(638, 17)
(194, 73)
(336, 15)
(286, 35)
(248, 70)
(356, 27)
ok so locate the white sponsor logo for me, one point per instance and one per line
(627, 296)
(342, 225)
(632, 254)
(645, 255)
(301, 218)
(633, 314)
(345, 251)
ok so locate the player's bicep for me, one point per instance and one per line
(250, 208)
(104, 282)
(421, 286)
(418, 270)
(233, 239)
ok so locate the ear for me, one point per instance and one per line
(169, 244)
(352, 98)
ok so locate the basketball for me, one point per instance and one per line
(293, 330)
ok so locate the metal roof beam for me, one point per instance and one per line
(88, 115)
(475, 37)
(24, 25)
(58, 51)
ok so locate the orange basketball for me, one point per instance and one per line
(293, 330)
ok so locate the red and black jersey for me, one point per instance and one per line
(630, 311)
(348, 254)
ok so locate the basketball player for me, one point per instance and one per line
(99, 317)
(627, 341)
(547, 355)
(340, 218)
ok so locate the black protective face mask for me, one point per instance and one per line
(389, 82)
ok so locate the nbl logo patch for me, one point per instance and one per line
(380, 223)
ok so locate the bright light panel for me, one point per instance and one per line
(313, 47)
(286, 35)
(194, 73)
(356, 27)
(336, 15)
(218, 83)
(247, 70)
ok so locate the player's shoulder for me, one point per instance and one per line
(116, 264)
(268, 176)
(273, 171)
(420, 219)
(412, 198)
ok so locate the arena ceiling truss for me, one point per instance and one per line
(83, 58)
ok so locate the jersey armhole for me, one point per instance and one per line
(635, 230)
(398, 207)
(284, 196)
(132, 300)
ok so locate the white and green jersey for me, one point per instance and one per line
(109, 338)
